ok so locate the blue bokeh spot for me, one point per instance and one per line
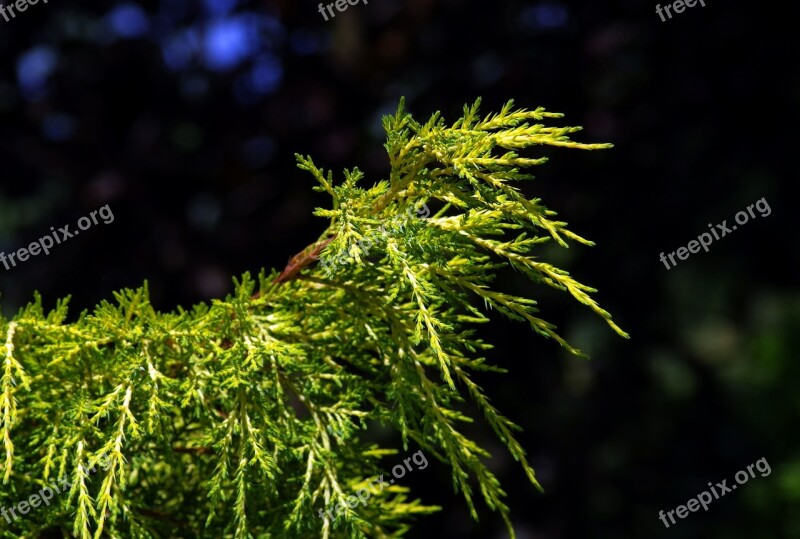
(128, 21)
(33, 68)
(230, 41)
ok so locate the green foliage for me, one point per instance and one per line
(246, 416)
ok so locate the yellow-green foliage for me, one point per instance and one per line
(245, 416)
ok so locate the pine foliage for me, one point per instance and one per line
(246, 416)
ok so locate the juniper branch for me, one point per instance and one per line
(246, 416)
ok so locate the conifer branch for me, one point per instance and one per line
(250, 416)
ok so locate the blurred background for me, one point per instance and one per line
(184, 115)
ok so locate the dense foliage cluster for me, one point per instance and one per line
(246, 416)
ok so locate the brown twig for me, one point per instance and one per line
(302, 259)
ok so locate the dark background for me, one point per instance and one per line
(184, 117)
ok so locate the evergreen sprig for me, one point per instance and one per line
(245, 416)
